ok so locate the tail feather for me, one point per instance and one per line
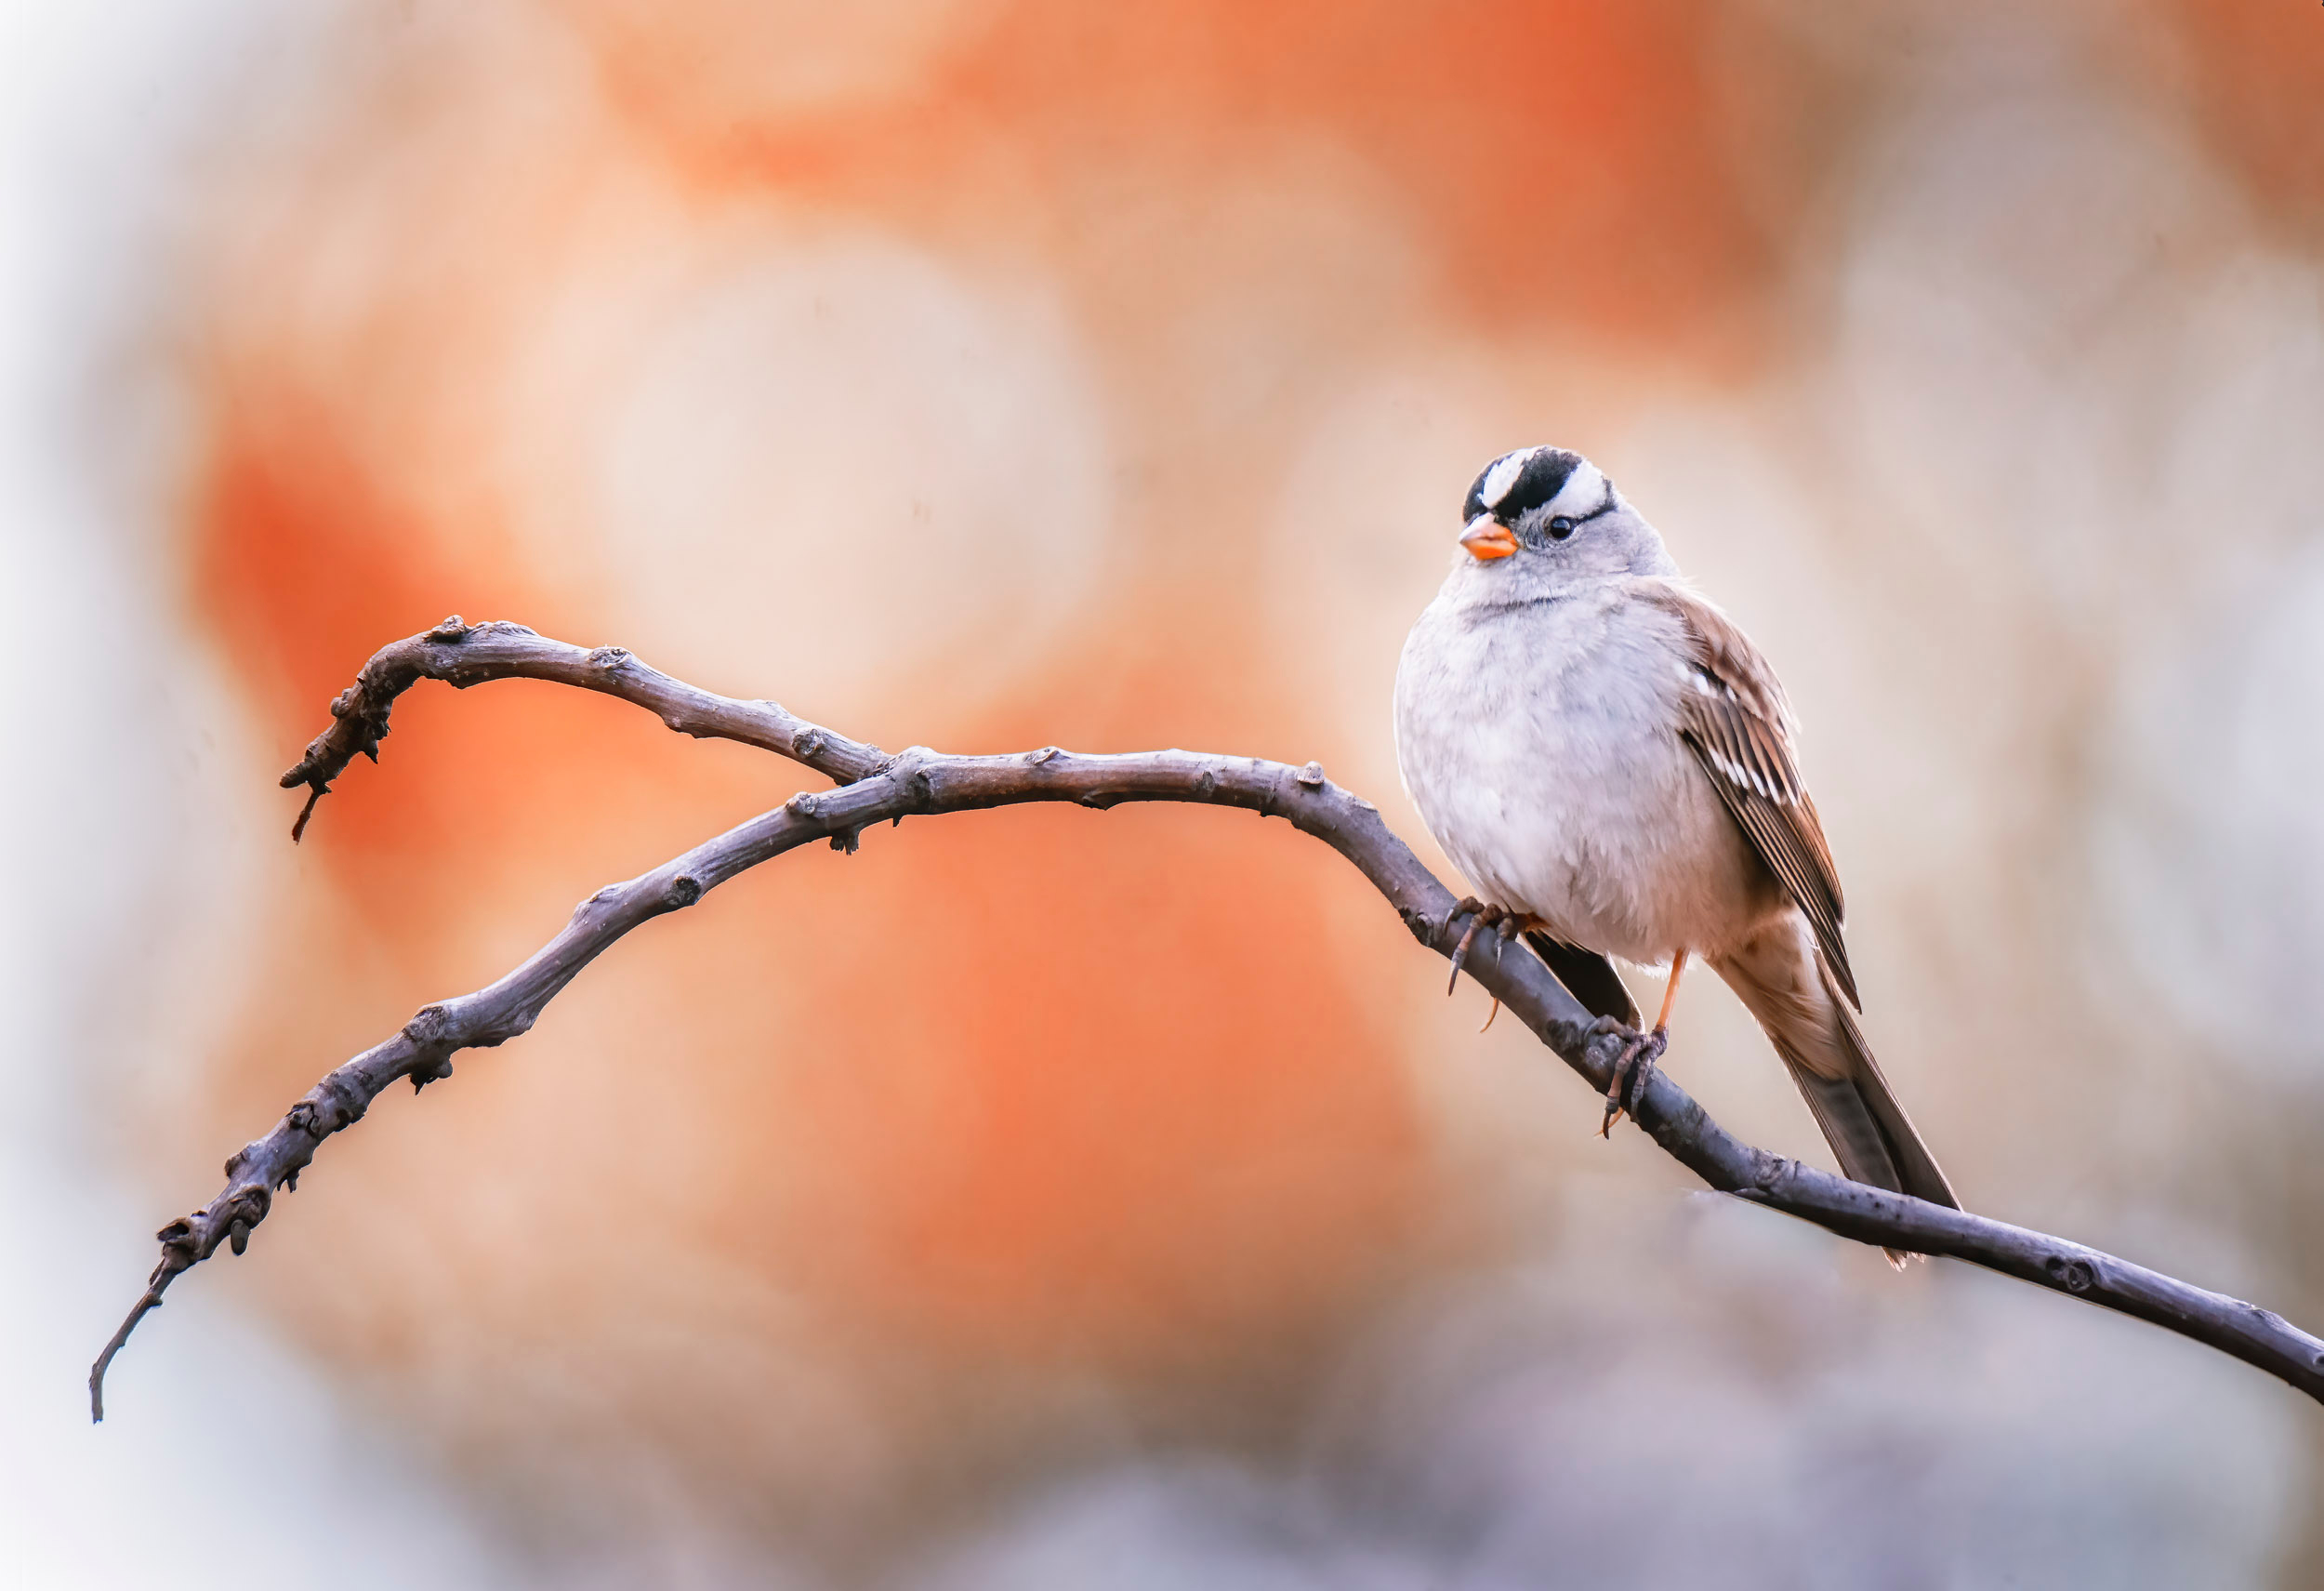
(1851, 1126)
(1918, 1172)
(1587, 976)
(1783, 978)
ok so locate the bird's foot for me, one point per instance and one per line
(1506, 925)
(1636, 1065)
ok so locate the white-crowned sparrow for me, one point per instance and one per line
(1609, 759)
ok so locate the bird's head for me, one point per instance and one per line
(1554, 515)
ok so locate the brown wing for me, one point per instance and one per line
(1735, 716)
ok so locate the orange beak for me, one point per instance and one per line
(1488, 538)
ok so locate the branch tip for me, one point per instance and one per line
(299, 827)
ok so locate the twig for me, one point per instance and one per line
(876, 788)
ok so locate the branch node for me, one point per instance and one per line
(337, 1108)
(452, 631)
(1312, 775)
(803, 805)
(2073, 1275)
(684, 890)
(1035, 759)
(609, 657)
(1207, 783)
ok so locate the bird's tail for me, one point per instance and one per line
(1782, 977)
(1587, 976)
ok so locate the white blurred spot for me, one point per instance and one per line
(839, 469)
(223, 1457)
(2209, 838)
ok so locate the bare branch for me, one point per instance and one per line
(463, 655)
(918, 782)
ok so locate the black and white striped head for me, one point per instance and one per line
(1546, 518)
(1531, 498)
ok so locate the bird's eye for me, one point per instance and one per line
(1561, 528)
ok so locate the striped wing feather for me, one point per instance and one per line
(1739, 725)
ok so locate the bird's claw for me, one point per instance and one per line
(1480, 916)
(1506, 925)
(1636, 1065)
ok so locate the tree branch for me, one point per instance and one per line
(874, 787)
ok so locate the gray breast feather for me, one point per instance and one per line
(1539, 742)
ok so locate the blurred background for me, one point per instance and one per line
(988, 373)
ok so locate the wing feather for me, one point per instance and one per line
(1740, 726)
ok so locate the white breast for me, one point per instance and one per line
(1539, 743)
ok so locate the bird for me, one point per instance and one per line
(1612, 764)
